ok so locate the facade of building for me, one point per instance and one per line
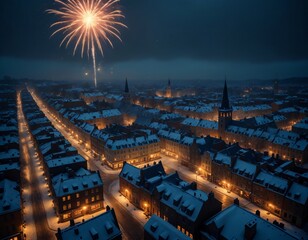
(77, 193)
(135, 150)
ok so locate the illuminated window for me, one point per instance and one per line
(78, 203)
(64, 207)
(77, 195)
(69, 206)
(63, 199)
(69, 197)
(87, 200)
(92, 199)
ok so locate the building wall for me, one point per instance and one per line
(79, 203)
(136, 155)
(11, 224)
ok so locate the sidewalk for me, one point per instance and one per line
(288, 227)
(135, 212)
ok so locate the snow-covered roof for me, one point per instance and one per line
(93, 94)
(252, 107)
(104, 226)
(223, 159)
(261, 120)
(191, 122)
(157, 228)
(9, 166)
(10, 153)
(64, 184)
(208, 124)
(130, 173)
(185, 204)
(287, 110)
(131, 142)
(232, 220)
(244, 168)
(65, 161)
(300, 145)
(298, 193)
(170, 116)
(9, 196)
(110, 113)
(158, 126)
(272, 182)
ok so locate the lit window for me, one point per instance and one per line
(69, 206)
(69, 197)
(78, 203)
(63, 199)
(87, 200)
(92, 199)
(64, 207)
(77, 195)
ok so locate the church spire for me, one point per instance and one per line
(126, 87)
(169, 84)
(225, 98)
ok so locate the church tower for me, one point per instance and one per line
(224, 112)
(126, 92)
(168, 89)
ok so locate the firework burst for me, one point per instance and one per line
(88, 22)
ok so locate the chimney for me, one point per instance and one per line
(258, 213)
(72, 222)
(250, 229)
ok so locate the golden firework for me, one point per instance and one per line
(89, 22)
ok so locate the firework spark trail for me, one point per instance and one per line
(89, 22)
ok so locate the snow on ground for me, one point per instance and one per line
(135, 212)
(29, 229)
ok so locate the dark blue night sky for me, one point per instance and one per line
(178, 39)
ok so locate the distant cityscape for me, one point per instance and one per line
(127, 160)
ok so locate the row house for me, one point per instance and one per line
(268, 191)
(137, 184)
(75, 190)
(102, 118)
(185, 207)
(295, 205)
(274, 193)
(135, 150)
(180, 146)
(11, 210)
(241, 112)
(77, 193)
(200, 127)
(167, 196)
(92, 97)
